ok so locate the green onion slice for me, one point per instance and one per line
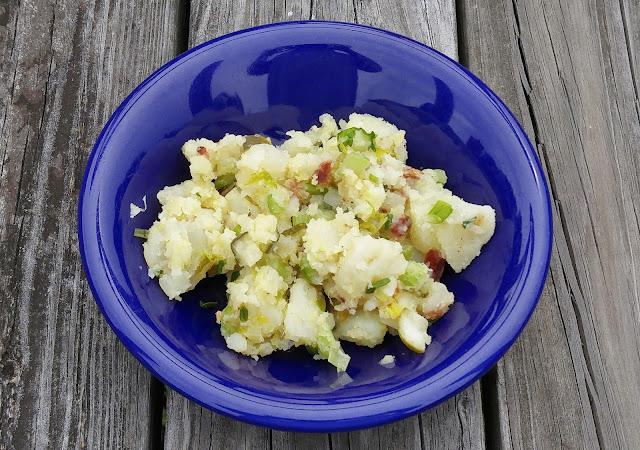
(311, 349)
(300, 219)
(309, 273)
(278, 264)
(357, 139)
(414, 273)
(141, 233)
(244, 314)
(373, 178)
(234, 276)
(262, 176)
(208, 305)
(356, 162)
(468, 222)
(389, 221)
(274, 207)
(439, 176)
(315, 190)
(255, 139)
(377, 284)
(440, 211)
(224, 181)
(407, 251)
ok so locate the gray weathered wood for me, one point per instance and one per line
(65, 380)
(570, 73)
(456, 423)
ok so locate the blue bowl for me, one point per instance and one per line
(281, 77)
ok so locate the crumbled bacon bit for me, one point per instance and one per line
(400, 227)
(203, 151)
(294, 187)
(436, 314)
(323, 173)
(434, 260)
(410, 172)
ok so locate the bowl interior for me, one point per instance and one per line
(270, 80)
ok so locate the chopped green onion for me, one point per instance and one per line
(293, 230)
(345, 138)
(356, 162)
(235, 241)
(315, 190)
(158, 272)
(439, 176)
(338, 358)
(357, 139)
(208, 305)
(373, 178)
(309, 273)
(244, 314)
(415, 272)
(237, 230)
(466, 223)
(227, 329)
(300, 219)
(407, 251)
(328, 214)
(276, 262)
(440, 211)
(325, 206)
(321, 303)
(220, 266)
(255, 139)
(311, 349)
(376, 284)
(364, 141)
(224, 180)
(274, 207)
(141, 233)
(228, 310)
(234, 276)
(198, 195)
(368, 226)
(389, 221)
(262, 176)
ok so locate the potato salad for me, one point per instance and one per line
(328, 237)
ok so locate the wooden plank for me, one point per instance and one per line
(570, 76)
(454, 424)
(65, 380)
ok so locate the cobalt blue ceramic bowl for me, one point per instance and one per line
(280, 77)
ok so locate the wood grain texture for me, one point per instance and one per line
(65, 380)
(570, 74)
(456, 423)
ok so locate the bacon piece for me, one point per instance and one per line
(203, 151)
(401, 226)
(294, 187)
(410, 172)
(436, 314)
(323, 173)
(434, 260)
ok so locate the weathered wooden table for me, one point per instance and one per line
(568, 70)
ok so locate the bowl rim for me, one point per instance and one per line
(405, 403)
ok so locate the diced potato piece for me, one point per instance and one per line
(363, 328)
(412, 328)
